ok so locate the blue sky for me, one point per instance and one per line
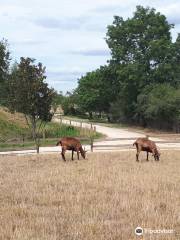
(68, 36)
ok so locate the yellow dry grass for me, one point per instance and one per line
(103, 198)
(14, 118)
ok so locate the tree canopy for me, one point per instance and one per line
(143, 58)
(30, 95)
(96, 90)
(4, 67)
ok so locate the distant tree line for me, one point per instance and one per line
(141, 82)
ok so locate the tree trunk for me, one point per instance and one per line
(90, 115)
(35, 138)
(37, 146)
(108, 118)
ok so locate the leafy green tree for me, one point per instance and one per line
(108, 87)
(88, 92)
(57, 100)
(96, 90)
(4, 66)
(173, 64)
(30, 95)
(69, 104)
(144, 62)
(143, 38)
(140, 47)
(116, 113)
(158, 105)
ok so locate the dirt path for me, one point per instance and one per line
(117, 139)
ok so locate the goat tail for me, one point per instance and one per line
(58, 143)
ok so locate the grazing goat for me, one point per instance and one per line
(144, 144)
(73, 144)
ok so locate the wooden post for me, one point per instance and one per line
(91, 144)
(80, 124)
(95, 129)
(23, 139)
(92, 137)
(70, 122)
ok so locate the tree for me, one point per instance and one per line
(143, 38)
(68, 104)
(158, 105)
(96, 90)
(57, 101)
(4, 66)
(88, 93)
(144, 60)
(173, 64)
(140, 47)
(30, 95)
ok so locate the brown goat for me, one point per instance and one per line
(73, 144)
(144, 144)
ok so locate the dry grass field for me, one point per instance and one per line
(103, 198)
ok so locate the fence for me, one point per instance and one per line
(94, 145)
(77, 123)
(92, 140)
(82, 125)
(117, 141)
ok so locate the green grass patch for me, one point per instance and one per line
(15, 134)
(52, 133)
(55, 130)
(60, 130)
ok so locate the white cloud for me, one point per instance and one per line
(68, 36)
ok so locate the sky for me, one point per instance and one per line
(68, 36)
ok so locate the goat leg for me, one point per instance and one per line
(72, 155)
(63, 154)
(78, 154)
(147, 159)
(137, 157)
